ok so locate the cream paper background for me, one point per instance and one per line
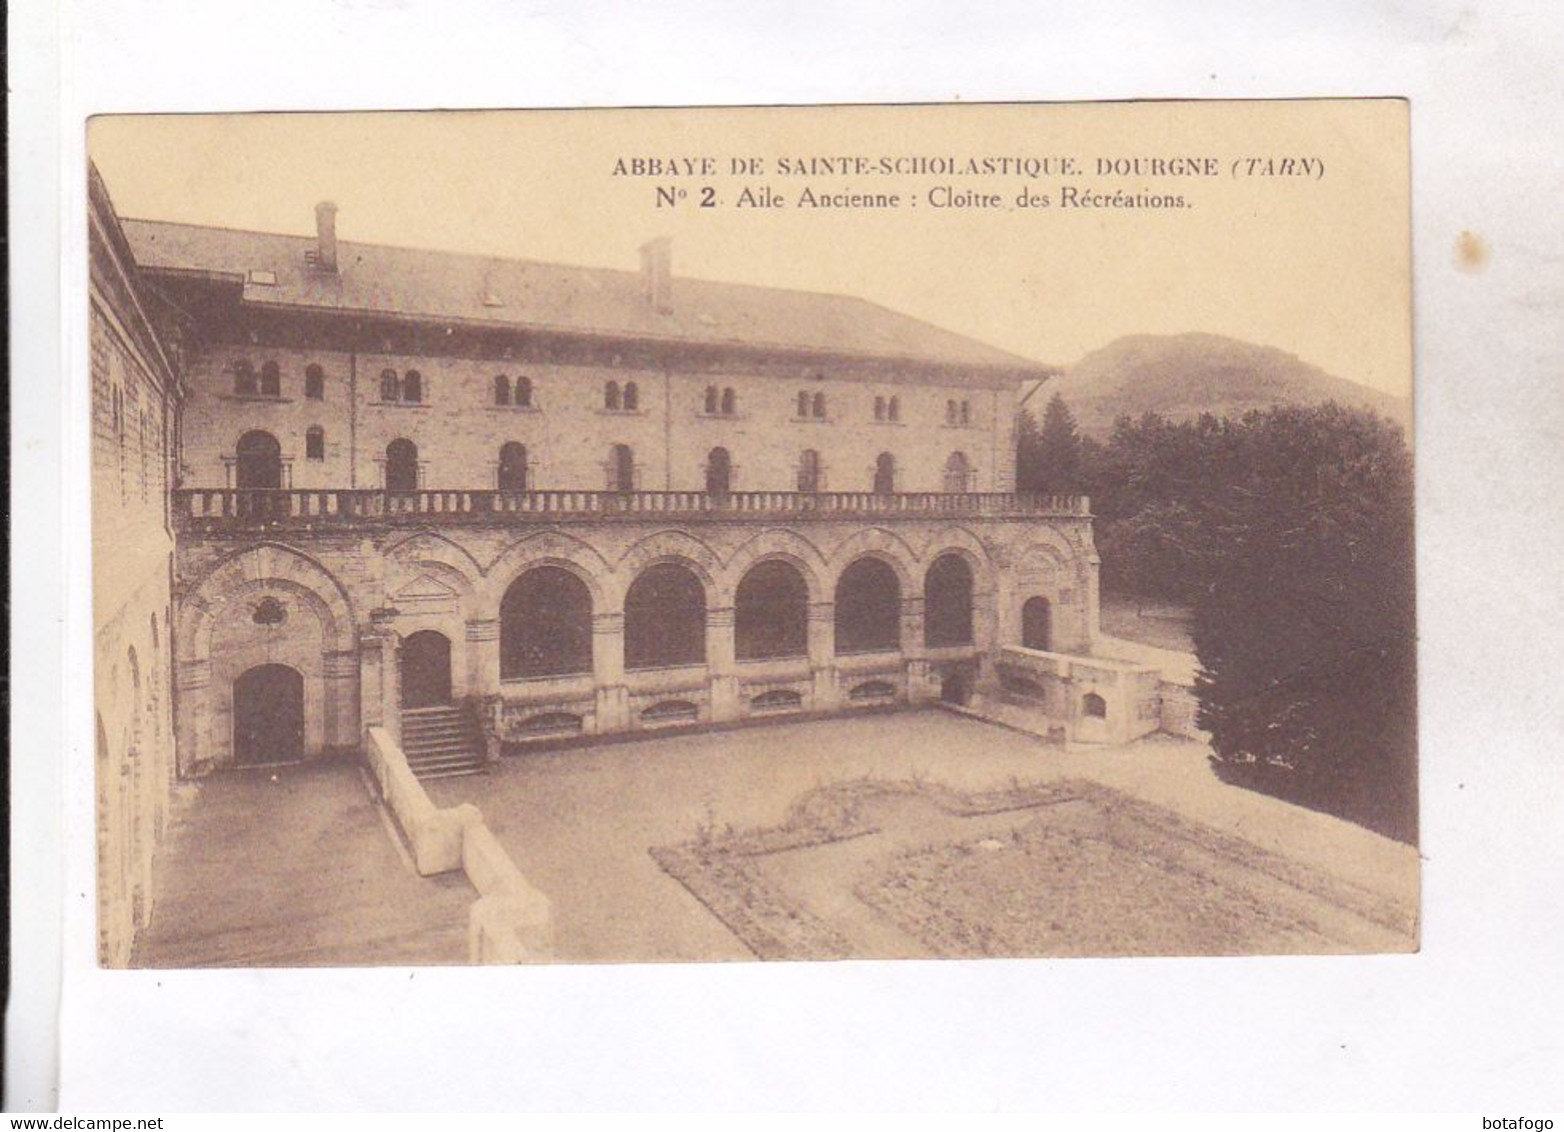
(1471, 1023)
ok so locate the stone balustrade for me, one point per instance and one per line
(204, 508)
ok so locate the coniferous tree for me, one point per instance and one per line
(1059, 449)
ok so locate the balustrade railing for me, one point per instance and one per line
(308, 507)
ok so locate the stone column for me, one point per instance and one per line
(380, 695)
(483, 657)
(722, 664)
(822, 655)
(608, 672)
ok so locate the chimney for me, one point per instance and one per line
(657, 273)
(326, 236)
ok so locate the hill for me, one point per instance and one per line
(1183, 375)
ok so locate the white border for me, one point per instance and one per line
(1471, 1023)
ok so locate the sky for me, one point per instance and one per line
(1316, 265)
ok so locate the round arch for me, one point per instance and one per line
(783, 545)
(868, 606)
(546, 623)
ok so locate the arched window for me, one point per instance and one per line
(545, 625)
(868, 608)
(966, 412)
(879, 408)
(512, 474)
(389, 385)
(809, 470)
(950, 412)
(771, 612)
(711, 399)
(893, 410)
(729, 403)
(819, 406)
(665, 618)
(958, 473)
(271, 380)
(611, 395)
(621, 468)
(314, 383)
(413, 387)
(258, 462)
(401, 465)
(315, 443)
(244, 378)
(885, 474)
(719, 472)
(522, 394)
(501, 389)
(632, 397)
(803, 404)
(1094, 706)
(947, 602)
(1036, 630)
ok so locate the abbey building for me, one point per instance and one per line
(485, 503)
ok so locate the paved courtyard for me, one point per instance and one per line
(580, 823)
(294, 867)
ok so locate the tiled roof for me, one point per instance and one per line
(375, 278)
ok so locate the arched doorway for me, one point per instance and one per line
(268, 715)
(868, 608)
(885, 474)
(947, 602)
(958, 473)
(621, 468)
(1036, 624)
(665, 618)
(719, 472)
(771, 612)
(258, 462)
(401, 466)
(513, 467)
(426, 669)
(545, 625)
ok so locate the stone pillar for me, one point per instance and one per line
(192, 725)
(822, 655)
(608, 672)
(985, 636)
(915, 665)
(380, 695)
(340, 669)
(483, 657)
(722, 664)
(1092, 599)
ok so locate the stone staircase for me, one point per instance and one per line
(442, 742)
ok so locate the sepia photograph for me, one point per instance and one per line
(780, 533)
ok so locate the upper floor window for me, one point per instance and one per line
(244, 379)
(501, 389)
(413, 387)
(408, 389)
(315, 443)
(729, 403)
(966, 412)
(512, 473)
(521, 392)
(611, 396)
(817, 406)
(621, 468)
(803, 404)
(632, 398)
(390, 387)
(314, 383)
(809, 478)
(884, 474)
(893, 409)
(879, 408)
(950, 412)
(712, 402)
(720, 402)
(271, 380)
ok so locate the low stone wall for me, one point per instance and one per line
(511, 921)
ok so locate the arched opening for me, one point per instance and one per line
(879, 408)
(413, 387)
(258, 462)
(893, 410)
(389, 385)
(632, 397)
(501, 389)
(711, 400)
(958, 472)
(803, 404)
(868, 608)
(244, 379)
(426, 669)
(719, 472)
(545, 625)
(1094, 706)
(771, 612)
(1036, 624)
(885, 474)
(611, 395)
(522, 393)
(818, 405)
(947, 602)
(314, 383)
(809, 470)
(401, 465)
(271, 380)
(621, 468)
(665, 618)
(269, 715)
(513, 467)
(729, 403)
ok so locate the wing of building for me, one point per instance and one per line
(480, 503)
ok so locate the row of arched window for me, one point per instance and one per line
(259, 466)
(546, 615)
(617, 399)
(958, 412)
(406, 389)
(518, 393)
(267, 381)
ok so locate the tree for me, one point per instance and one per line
(1305, 627)
(1059, 450)
(1029, 444)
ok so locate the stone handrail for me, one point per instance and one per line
(226, 508)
